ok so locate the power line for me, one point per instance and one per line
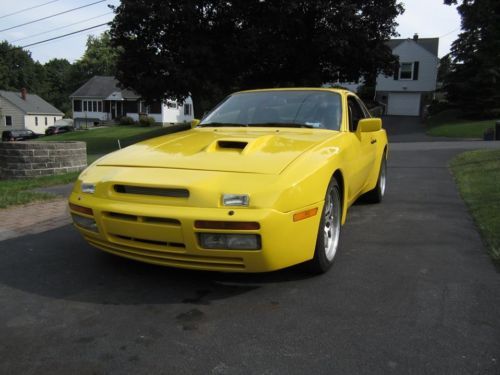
(448, 33)
(26, 9)
(60, 28)
(53, 15)
(62, 36)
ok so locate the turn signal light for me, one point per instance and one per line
(305, 214)
(80, 209)
(224, 225)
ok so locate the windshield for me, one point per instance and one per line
(308, 109)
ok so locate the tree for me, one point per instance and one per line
(99, 58)
(473, 83)
(57, 83)
(209, 48)
(18, 70)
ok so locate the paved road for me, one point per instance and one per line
(408, 129)
(412, 292)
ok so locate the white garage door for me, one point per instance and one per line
(403, 104)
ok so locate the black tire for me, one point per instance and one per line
(377, 194)
(327, 240)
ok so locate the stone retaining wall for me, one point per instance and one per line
(34, 159)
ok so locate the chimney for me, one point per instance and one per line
(23, 93)
(415, 37)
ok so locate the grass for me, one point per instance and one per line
(15, 192)
(478, 177)
(449, 124)
(101, 141)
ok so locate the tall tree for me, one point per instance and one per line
(474, 80)
(18, 70)
(211, 47)
(99, 58)
(57, 83)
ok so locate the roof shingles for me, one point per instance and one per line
(102, 87)
(32, 105)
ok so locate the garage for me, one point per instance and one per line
(403, 104)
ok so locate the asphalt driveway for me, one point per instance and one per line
(412, 292)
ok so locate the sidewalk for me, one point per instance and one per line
(34, 218)
(37, 217)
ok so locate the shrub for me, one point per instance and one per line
(126, 120)
(147, 121)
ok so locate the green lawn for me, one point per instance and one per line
(14, 192)
(449, 124)
(101, 141)
(478, 177)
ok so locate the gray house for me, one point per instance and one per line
(101, 99)
(404, 93)
(20, 110)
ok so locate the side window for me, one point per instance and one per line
(8, 120)
(355, 113)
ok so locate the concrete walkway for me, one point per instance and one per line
(37, 217)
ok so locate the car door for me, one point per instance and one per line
(362, 151)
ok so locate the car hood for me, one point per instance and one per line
(244, 150)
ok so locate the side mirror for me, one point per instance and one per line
(368, 125)
(195, 123)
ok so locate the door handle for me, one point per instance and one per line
(373, 141)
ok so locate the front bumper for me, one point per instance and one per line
(166, 235)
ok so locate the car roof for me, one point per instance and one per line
(329, 89)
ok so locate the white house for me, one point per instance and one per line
(404, 93)
(101, 99)
(20, 110)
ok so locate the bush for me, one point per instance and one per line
(146, 121)
(126, 120)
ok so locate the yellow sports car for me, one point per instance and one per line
(263, 182)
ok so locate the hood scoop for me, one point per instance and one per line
(221, 145)
(232, 145)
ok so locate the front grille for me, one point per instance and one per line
(150, 242)
(143, 219)
(173, 259)
(157, 192)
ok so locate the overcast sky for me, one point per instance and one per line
(428, 18)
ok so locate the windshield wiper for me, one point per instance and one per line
(222, 124)
(282, 125)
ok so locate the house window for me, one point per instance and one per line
(84, 106)
(77, 105)
(406, 71)
(8, 120)
(99, 106)
(187, 109)
(46, 121)
(36, 121)
(171, 104)
(94, 106)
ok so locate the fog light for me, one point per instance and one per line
(88, 188)
(229, 241)
(85, 222)
(235, 199)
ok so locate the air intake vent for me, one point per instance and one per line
(159, 192)
(232, 144)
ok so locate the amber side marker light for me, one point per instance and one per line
(305, 214)
(80, 209)
(231, 225)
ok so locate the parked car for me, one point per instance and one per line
(58, 129)
(263, 182)
(18, 135)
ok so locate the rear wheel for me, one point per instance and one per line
(327, 241)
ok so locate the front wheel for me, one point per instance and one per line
(377, 194)
(327, 241)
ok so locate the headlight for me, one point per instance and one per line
(235, 199)
(229, 241)
(88, 188)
